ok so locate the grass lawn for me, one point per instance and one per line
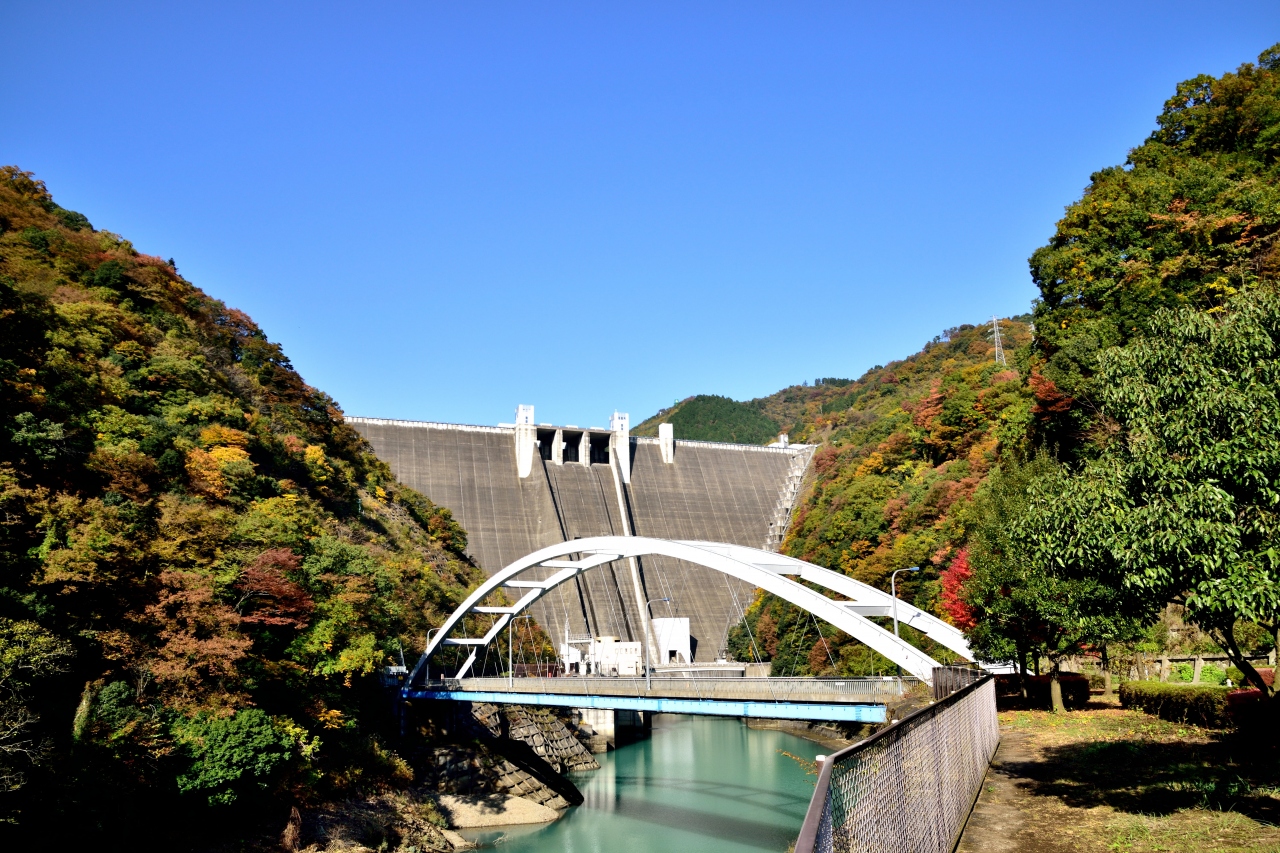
(1108, 779)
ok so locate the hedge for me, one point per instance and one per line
(1201, 705)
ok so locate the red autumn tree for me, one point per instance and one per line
(200, 640)
(953, 578)
(268, 597)
(821, 657)
(767, 634)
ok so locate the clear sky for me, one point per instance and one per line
(445, 209)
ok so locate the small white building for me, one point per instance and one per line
(570, 657)
(608, 656)
(671, 641)
(586, 655)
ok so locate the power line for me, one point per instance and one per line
(995, 330)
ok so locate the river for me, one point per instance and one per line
(699, 784)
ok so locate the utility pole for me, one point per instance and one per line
(995, 327)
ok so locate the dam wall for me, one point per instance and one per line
(578, 484)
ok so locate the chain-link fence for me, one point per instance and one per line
(909, 787)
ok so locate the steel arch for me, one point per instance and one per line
(764, 569)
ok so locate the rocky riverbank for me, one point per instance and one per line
(505, 766)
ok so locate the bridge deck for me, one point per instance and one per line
(854, 700)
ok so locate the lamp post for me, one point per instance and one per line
(893, 591)
(511, 675)
(648, 682)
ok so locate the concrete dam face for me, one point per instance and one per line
(517, 488)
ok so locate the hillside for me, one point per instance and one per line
(707, 417)
(200, 563)
(900, 447)
(1189, 222)
(1191, 218)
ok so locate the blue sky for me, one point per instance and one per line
(443, 210)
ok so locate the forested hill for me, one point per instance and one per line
(811, 412)
(947, 461)
(201, 565)
(707, 417)
(900, 447)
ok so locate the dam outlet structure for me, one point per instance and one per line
(521, 487)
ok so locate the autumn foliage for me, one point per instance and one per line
(958, 612)
(201, 564)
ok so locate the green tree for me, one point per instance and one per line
(1024, 602)
(232, 756)
(1190, 218)
(28, 653)
(1183, 502)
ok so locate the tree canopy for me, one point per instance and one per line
(1190, 218)
(1181, 502)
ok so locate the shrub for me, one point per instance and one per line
(1210, 674)
(1200, 705)
(1182, 672)
(230, 756)
(116, 705)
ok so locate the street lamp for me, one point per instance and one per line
(511, 676)
(648, 682)
(893, 591)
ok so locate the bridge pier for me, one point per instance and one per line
(614, 728)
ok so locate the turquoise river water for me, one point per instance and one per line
(699, 784)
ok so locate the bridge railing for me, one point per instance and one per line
(949, 679)
(909, 787)
(874, 690)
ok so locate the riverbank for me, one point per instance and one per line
(832, 738)
(1111, 780)
(837, 736)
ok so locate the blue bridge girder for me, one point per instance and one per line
(859, 712)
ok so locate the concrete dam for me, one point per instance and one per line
(520, 487)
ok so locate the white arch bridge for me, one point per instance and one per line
(792, 580)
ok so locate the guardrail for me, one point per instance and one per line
(909, 787)
(759, 689)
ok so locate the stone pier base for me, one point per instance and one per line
(612, 729)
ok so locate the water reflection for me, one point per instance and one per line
(699, 784)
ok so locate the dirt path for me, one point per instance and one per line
(1002, 821)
